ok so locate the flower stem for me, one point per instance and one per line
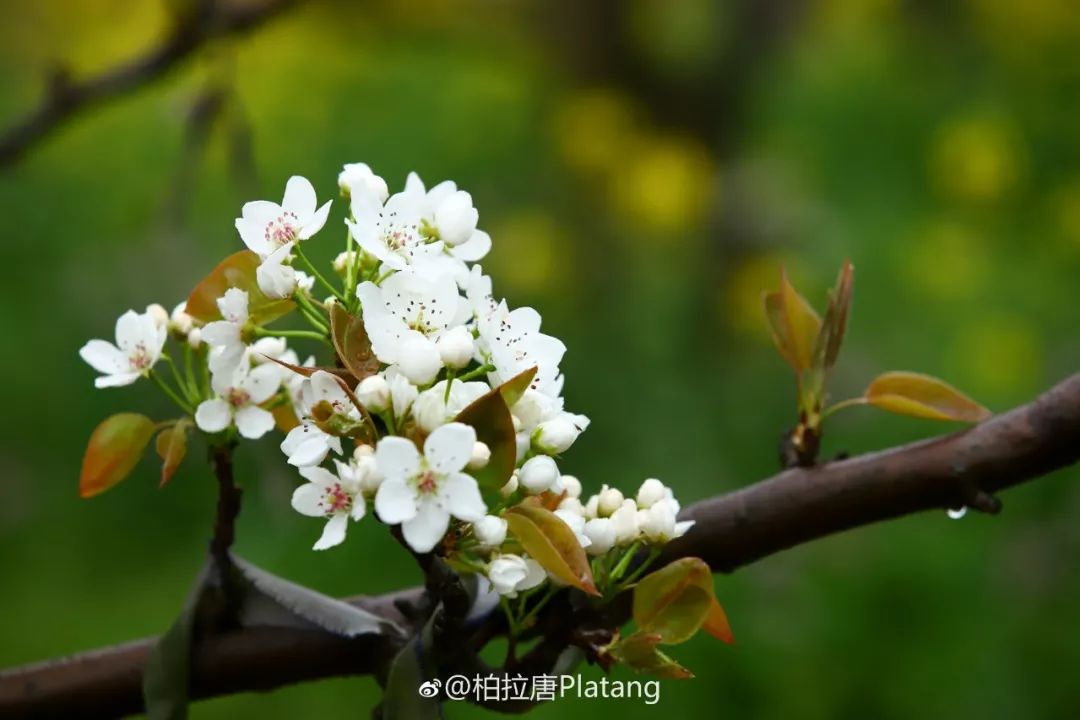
(632, 577)
(850, 402)
(182, 404)
(181, 383)
(486, 368)
(307, 309)
(625, 561)
(308, 334)
(318, 275)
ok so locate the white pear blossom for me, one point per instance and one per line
(225, 336)
(490, 531)
(601, 536)
(435, 406)
(513, 343)
(158, 314)
(422, 492)
(653, 491)
(571, 486)
(266, 227)
(335, 497)
(576, 522)
(307, 444)
(139, 340)
(451, 217)
(406, 316)
(276, 278)
(625, 522)
(658, 522)
(359, 178)
(609, 500)
(456, 347)
(373, 392)
(511, 574)
(238, 398)
(538, 474)
(556, 435)
(481, 456)
(390, 232)
(180, 323)
(402, 393)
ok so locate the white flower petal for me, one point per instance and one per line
(315, 222)
(460, 495)
(116, 380)
(105, 357)
(299, 197)
(308, 500)
(473, 249)
(425, 530)
(253, 422)
(395, 501)
(334, 532)
(449, 448)
(129, 331)
(262, 382)
(213, 415)
(397, 458)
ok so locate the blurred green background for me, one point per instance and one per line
(644, 167)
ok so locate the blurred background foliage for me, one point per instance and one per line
(645, 167)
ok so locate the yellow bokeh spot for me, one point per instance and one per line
(741, 302)
(664, 187)
(946, 262)
(975, 159)
(528, 246)
(595, 130)
(998, 356)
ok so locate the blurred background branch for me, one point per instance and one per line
(196, 23)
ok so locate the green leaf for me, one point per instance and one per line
(674, 601)
(171, 446)
(829, 340)
(113, 451)
(352, 343)
(490, 416)
(235, 271)
(552, 543)
(640, 654)
(411, 668)
(793, 323)
(923, 396)
(168, 665)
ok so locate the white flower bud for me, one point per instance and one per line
(521, 446)
(510, 487)
(276, 280)
(592, 506)
(456, 218)
(194, 338)
(344, 259)
(536, 575)
(363, 450)
(609, 500)
(159, 314)
(625, 522)
(572, 504)
(601, 536)
(481, 456)
(179, 321)
(558, 434)
(539, 474)
(572, 486)
(505, 572)
(576, 523)
(373, 392)
(456, 347)
(490, 531)
(357, 178)
(651, 491)
(368, 470)
(531, 409)
(419, 360)
(659, 522)
(429, 410)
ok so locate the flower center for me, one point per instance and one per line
(140, 357)
(282, 229)
(238, 397)
(427, 482)
(337, 500)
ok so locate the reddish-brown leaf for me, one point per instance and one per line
(113, 451)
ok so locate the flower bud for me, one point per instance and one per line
(521, 446)
(363, 450)
(539, 474)
(490, 531)
(373, 392)
(194, 338)
(159, 314)
(368, 470)
(625, 522)
(510, 487)
(531, 409)
(608, 501)
(429, 410)
(572, 486)
(456, 218)
(419, 359)
(180, 323)
(344, 259)
(481, 455)
(601, 536)
(576, 523)
(456, 347)
(651, 491)
(658, 523)
(558, 434)
(572, 504)
(591, 506)
(505, 572)
(357, 178)
(276, 280)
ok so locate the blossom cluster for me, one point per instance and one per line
(395, 439)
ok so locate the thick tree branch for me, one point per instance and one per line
(733, 530)
(64, 97)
